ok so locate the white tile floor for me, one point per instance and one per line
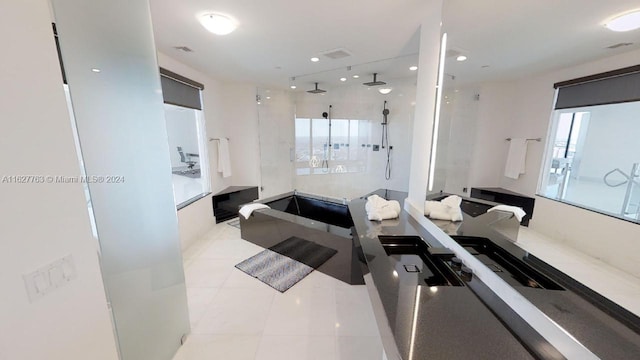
(234, 316)
(617, 285)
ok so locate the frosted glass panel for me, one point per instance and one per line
(110, 62)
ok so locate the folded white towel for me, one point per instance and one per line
(516, 158)
(447, 209)
(517, 212)
(379, 209)
(224, 160)
(246, 210)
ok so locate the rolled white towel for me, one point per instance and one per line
(380, 209)
(382, 214)
(431, 206)
(453, 201)
(395, 205)
(447, 209)
(516, 211)
(440, 215)
(456, 214)
(246, 210)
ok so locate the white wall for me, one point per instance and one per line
(358, 102)
(43, 222)
(614, 241)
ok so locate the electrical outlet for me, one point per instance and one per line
(464, 190)
(376, 147)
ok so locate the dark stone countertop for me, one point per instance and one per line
(443, 323)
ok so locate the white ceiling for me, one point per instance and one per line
(276, 38)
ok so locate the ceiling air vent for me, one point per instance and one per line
(337, 53)
(183, 48)
(619, 45)
(453, 53)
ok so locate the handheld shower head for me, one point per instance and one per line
(316, 90)
(374, 82)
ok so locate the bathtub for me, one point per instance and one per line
(322, 220)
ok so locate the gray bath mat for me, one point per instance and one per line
(284, 264)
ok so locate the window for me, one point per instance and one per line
(185, 129)
(187, 138)
(324, 149)
(593, 159)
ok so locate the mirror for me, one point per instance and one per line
(502, 61)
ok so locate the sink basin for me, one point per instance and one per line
(511, 269)
(412, 257)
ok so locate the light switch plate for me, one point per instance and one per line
(49, 277)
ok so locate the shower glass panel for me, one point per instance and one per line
(456, 137)
(114, 82)
(593, 159)
(278, 149)
(349, 163)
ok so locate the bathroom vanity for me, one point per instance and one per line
(429, 305)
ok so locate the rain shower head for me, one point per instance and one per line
(374, 82)
(316, 90)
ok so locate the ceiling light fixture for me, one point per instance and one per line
(625, 22)
(217, 23)
(384, 91)
(315, 59)
(413, 68)
(461, 58)
(292, 83)
(356, 76)
(95, 70)
(343, 79)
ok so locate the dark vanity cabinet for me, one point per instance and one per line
(227, 202)
(503, 196)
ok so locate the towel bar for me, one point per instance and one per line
(535, 139)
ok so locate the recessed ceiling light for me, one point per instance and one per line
(384, 91)
(315, 59)
(356, 76)
(413, 68)
(343, 79)
(268, 97)
(625, 22)
(218, 24)
(461, 58)
(95, 70)
(293, 86)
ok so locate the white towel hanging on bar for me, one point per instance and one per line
(516, 158)
(224, 161)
